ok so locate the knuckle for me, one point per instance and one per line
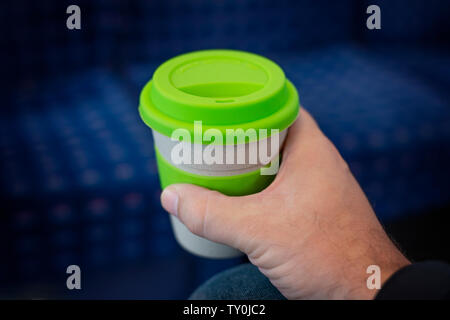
(202, 217)
(207, 217)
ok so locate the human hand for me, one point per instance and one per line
(312, 232)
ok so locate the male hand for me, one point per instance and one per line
(312, 232)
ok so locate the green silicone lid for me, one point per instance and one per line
(225, 89)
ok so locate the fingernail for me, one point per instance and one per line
(169, 201)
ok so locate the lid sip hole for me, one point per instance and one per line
(224, 101)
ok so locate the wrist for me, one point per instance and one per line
(368, 287)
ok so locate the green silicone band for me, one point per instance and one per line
(236, 185)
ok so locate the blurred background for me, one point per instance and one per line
(79, 183)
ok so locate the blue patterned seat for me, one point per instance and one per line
(78, 176)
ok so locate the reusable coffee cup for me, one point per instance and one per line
(219, 119)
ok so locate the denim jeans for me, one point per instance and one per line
(244, 282)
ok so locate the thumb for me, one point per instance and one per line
(207, 213)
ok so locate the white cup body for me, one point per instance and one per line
(189, 241)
